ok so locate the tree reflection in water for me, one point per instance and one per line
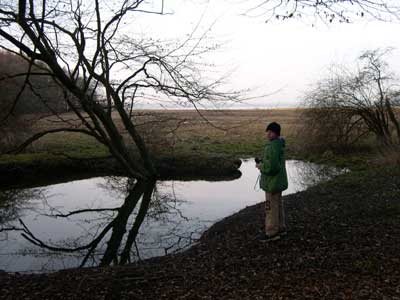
(112, 234)
(14, 201)
(12, 204)
(117, 226)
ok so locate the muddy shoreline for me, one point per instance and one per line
(343, 243)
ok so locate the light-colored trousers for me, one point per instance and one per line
(274, 213)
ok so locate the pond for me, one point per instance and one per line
(45, 229)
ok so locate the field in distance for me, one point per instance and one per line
(239, 133)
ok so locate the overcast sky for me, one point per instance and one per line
(283, 57)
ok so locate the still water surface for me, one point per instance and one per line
(179, 214)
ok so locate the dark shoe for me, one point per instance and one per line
(283, 233)
(262, 237)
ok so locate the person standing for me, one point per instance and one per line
(273, 181)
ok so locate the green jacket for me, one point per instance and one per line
(273, 171)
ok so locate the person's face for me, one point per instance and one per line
(271, 135)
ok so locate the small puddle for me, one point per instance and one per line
(180, 212)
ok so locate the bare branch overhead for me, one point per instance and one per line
(327, 10)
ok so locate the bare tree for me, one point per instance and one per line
(331, 128)
(83, 47)
(365, 98)
(326, 10)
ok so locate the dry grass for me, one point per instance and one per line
(228, 130)
(215, 132)
(236, 132)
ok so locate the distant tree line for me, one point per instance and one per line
(38, 93)
(28, 92)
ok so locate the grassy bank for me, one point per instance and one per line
(37, 170)
(183, 143)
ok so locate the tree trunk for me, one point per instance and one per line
(392, 117)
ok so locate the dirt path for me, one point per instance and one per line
(344, 243)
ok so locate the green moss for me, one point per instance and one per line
(233, 149)
(391, 211)
(353, 161)
(239, 150)
(73, 143)
(59, 147)
(367, 265)
(27, 157)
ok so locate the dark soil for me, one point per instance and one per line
(343, 243)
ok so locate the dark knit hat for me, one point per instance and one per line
(274, 127)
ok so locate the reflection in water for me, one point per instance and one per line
(13, 202)
(115, 220)
(304, 174)
(110, 226)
